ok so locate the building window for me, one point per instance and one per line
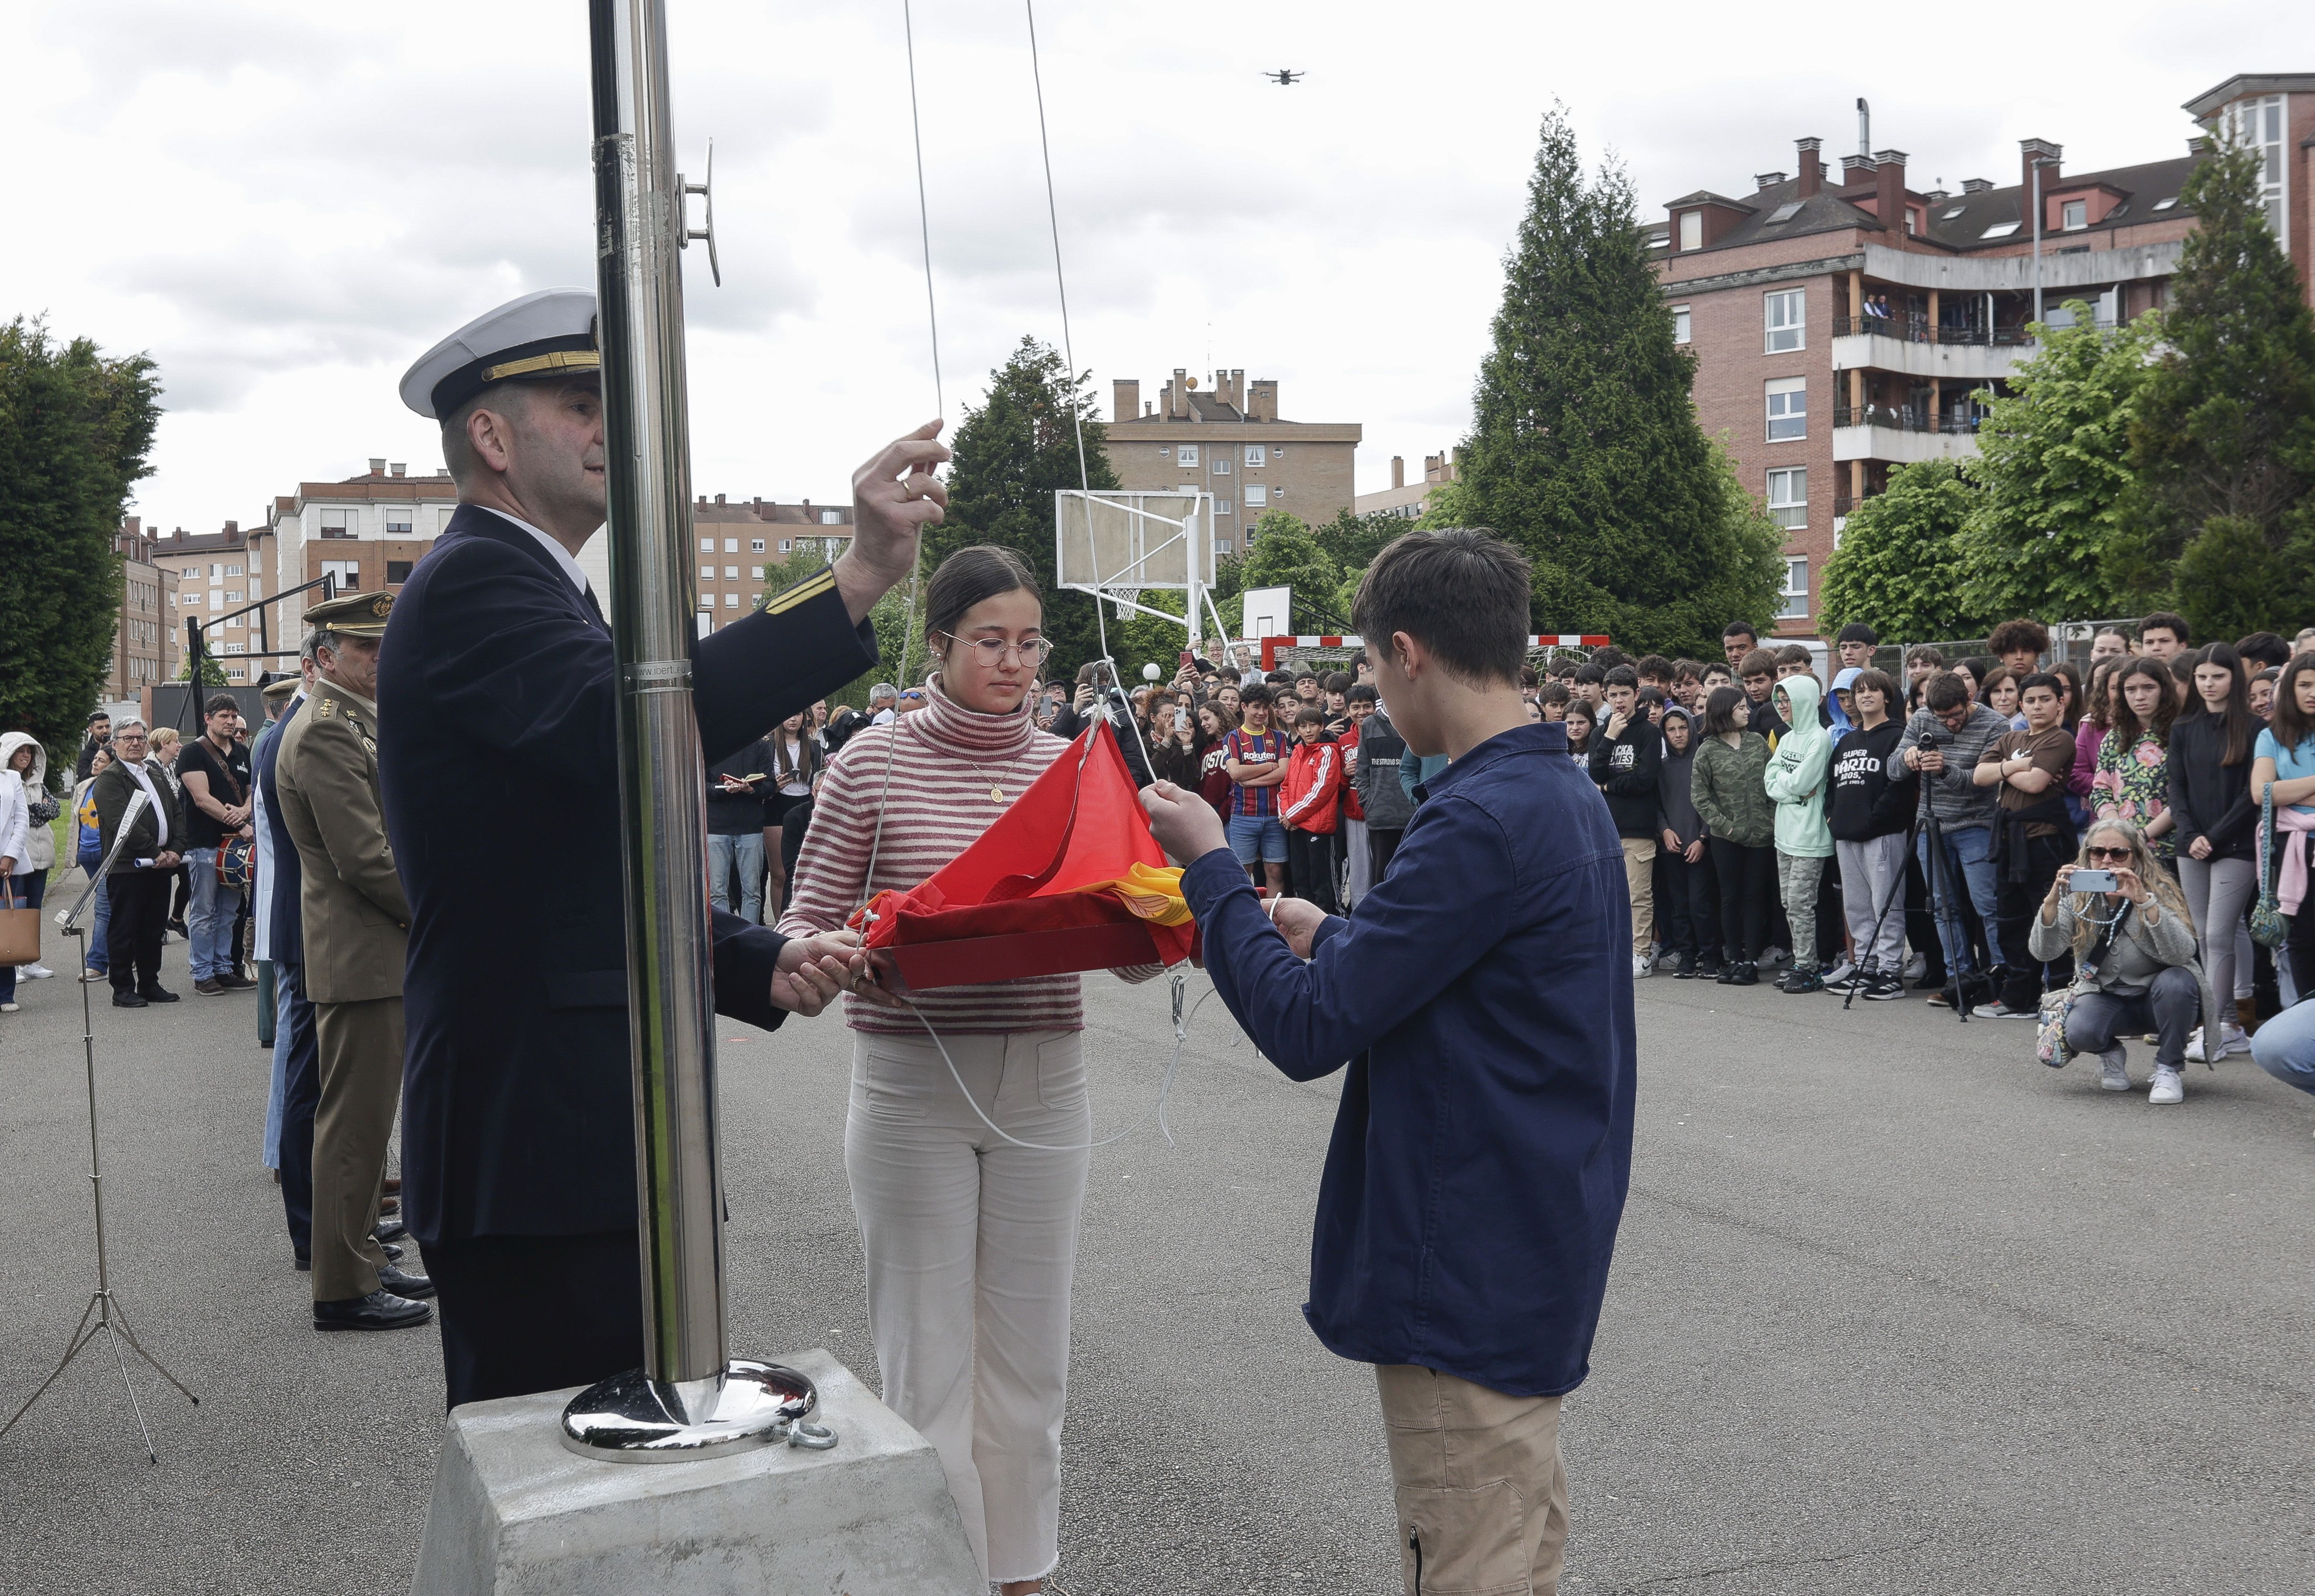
(2257, 124)
(706, 545)
(730, 573)
(755, 545)
(398, 523)
(1691, 229)
(232, 570)
(335, 523)
(194, 572)
(1221, 507)
(1786, 312)
(233, 623)
(831, 518)
(1787, 409)
(1788, 497)
(1257, 456)
(1256, 496)
(1278, 451)
(398, 572)
(2073, 214)
(708, 573)
(1680, 323)
(788, 545)
(1188, 455)
(730, 546)
(347, 571)
(731, 601)
(233, 596)
(1221, 466)
(1225, 545)
(192, 597)
(1795, 594)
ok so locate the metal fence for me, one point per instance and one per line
(2070, 643)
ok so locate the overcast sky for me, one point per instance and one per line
(286, 203)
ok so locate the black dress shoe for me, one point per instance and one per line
(402, 1283)
(232, 980)
(390, 1227)
(156, 995)
(393, 1252)
(380, 1310)
(127, 1000)
(304, 1262)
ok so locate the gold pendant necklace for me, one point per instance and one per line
(995, 792)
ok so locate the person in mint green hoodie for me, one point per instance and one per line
(1797, 776)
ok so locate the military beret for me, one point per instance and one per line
(540, 335)
(356, 615)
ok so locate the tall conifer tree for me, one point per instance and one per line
(1585, 450)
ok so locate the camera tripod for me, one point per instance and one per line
(103, 1315)
(1925, 825)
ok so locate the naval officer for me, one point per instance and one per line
(501, 790)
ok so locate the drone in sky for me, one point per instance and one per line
(1283, 76)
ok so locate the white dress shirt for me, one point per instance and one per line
(562, 555)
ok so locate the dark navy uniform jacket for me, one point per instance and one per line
(285, 919)
(499, 775)
(1482, 993)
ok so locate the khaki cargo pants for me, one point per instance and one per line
(1481, 1494)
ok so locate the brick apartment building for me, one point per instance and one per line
(1229, 442)
(145, 649)
(212, 574)
(1410, 501)
(1841, 320)
(737, 541)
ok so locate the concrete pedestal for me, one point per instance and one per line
(515, 1514)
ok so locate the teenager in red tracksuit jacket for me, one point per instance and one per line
(1309, 804)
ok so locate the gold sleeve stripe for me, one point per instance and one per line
(804, 592)
(552, 360)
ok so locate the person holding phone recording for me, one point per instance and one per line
(2123, 918)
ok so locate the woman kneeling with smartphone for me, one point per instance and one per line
(2125, 922)
(970, 1237)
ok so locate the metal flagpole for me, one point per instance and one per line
(689, 1399)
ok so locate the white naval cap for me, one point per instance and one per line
(537, 335)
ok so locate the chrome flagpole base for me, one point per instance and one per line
(632, 1418)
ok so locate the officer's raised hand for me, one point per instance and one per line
(894, 498)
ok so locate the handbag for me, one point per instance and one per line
(20, 926)
(2268, 928)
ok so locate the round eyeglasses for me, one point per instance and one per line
(990, 651)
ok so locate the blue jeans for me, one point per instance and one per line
(1257, 840)
(101, 914)
(745, 856)
(210, 918)
(1967, 864)
(2284, 1047)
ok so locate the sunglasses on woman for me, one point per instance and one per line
(2121, 856)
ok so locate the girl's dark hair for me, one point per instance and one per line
(1583, 707)
(1227, 722)
(2123, 720)
(2242, 726)
(966, 577)
(2291, 726)
(1878, 680)
(2071, 712)
(1720, 710)
(2101, 688)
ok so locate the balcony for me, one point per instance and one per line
(1901, 435)
(1914, 329)
(1912, 346)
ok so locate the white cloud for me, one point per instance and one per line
(287, 204)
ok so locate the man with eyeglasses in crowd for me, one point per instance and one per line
(1944, 741)
(137, 885)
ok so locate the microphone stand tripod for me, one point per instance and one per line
(103, 1315)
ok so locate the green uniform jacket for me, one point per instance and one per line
(1727, 789)
(357, 919)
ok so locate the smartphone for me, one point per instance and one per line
(2090, 880)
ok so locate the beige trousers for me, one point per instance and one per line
(359, 1048)
(971, 1243)
(1640, 881)
(1481, 1494)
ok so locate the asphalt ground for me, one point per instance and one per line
(1895, 1309)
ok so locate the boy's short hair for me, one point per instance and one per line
(1305, 674)
(1609, 658)
(1858, 632)
(1654, 665)
(1713, 667)
(2263, 649)
(1554, 692)
(1279, 678)
(2041, 679)
(1311, 715)
(1527, 677)
(1363, 693)
(1759, 662)
(1259, 693)
(1651, 695)
(1687, 670)
(1590, 675)
(1879, 682)
(1944, 691)
(1562, 669)
(1465, 594)
(1934, 658)
(2013, 635)
(1741, 629)
(2163, 620)
(1624, 676)
(1796, 654)
(1337, 682)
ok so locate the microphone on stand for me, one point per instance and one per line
(138, 804)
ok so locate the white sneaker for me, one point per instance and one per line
(1841, 974)
(2231, 1039)
(2168, 1087)
(8, 1008)
(33, 973)
(1640, 966)
(1916, 967)
(2114, 1069)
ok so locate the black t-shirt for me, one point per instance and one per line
(228, 782)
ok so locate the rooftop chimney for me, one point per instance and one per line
(1864, 127)
(1124, 399)
(1262, 399)
(1178, 397)
(1856, 169)
(1767, 180)
(1889, 188)
(2029, 149)
(1397, 473)
(397, 469)
(1975, 185)
(233, 528)
(1812, 167)
(378, 466)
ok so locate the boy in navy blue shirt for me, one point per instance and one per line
(1481, 993)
